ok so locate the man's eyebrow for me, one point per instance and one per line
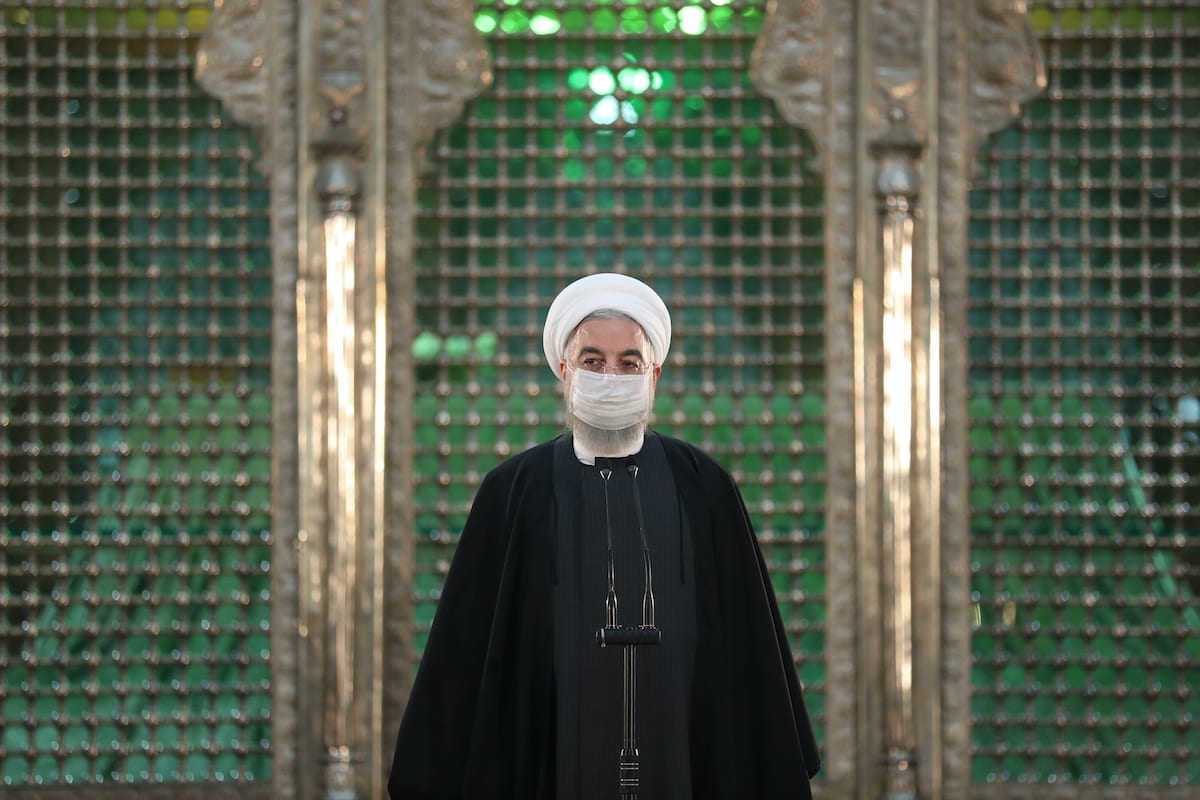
(633, 351)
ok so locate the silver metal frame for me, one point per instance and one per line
(897, 96)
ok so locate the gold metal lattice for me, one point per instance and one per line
(630, 140)
(1085, 378)
(134, 418)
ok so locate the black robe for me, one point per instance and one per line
(593, 510)
(480, 720)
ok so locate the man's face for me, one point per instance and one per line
(609, 342)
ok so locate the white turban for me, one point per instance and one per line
(599, 292)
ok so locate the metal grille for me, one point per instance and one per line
(628, 138)
(1085, 437)
(134, 415)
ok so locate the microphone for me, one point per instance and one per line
(648, 591)
(613, 632)
(630, 638)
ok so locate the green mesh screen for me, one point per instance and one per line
(1085, 417)
(134, 414)
(627, 137)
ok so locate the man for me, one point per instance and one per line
(611, 524)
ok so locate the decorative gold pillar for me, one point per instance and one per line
(435, 61)
(899, 346)
(334, 383)
(344, 94)
(896, 95)
(983, 62)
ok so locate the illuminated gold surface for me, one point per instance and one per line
(977, 57)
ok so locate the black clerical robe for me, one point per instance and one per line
(619, 501)
(481, 718)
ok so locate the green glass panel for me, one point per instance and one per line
(1081, 379)
(633, 176)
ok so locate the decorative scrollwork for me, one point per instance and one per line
(789, 64)
(231, 63)
(447, 62)
(1007, 66)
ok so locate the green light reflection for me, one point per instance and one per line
(692, 20)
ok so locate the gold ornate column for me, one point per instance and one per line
(804, 61)
(900, 343)
(985, 62)
(435, 61)
(344, 94)
(897, 95)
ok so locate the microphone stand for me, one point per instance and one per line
(629, 638)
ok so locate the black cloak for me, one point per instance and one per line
(480, 720)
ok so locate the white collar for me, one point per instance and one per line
(587, 457)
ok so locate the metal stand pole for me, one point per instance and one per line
(630, 639)
(630, 758)
(629, 765)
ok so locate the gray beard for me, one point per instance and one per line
(606, 443)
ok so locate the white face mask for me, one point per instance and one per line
(610, 402)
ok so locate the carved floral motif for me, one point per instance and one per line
(788, 63)
(231, 63)
(447, 62)
(1007, 67)
(791, 63)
